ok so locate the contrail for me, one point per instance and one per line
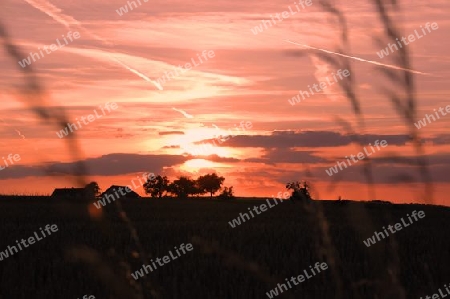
(360, 59)
(20, 134)
(53, 12)
(157, 85)
(17, 131)
(66, 20)
(183, 112)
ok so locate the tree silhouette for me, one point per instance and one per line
(227, 193)
(92, 189)
(183, 187)
(156, 187)
(300, 190)
(210, 183)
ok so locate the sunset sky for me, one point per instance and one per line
(249, 80)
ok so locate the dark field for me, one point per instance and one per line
(242, 262)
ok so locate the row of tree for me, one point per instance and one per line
(183, 187)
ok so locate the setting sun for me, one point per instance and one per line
(196, 164)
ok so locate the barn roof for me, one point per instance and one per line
(69, 192)
(114, 188)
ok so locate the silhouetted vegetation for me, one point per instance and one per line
(157, 187)
(300, 191)
(210, 183)
(92, 189)
(227, 193)
(184, 186)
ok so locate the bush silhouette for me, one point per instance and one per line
(300, 191)
(227, 194)
(92, 189)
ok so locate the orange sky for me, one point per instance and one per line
(242, 80)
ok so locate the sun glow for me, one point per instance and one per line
(205, 149)
(188, 145)
(197, 164)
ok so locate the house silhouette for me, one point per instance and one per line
(119, 192)
(69, 193)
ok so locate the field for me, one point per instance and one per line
(242, 262)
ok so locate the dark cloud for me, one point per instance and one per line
(382, 174)
(108, 165)
(286, 139)
(386, 174)
(432, 160)
(441, 139)
(286, 155)
(216, 158)
(171, 133)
